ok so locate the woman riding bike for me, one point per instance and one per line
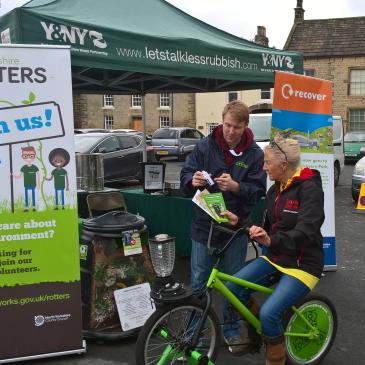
(292, 240)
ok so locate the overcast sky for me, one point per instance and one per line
(241, 17)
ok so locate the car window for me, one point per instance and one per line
(188, 133)
(128, 142)
(354, 137)
(260, 126)
(337, 128)
(197, 134)
(108, 145)
(85, 142)
(165, 134)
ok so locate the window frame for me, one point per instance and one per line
(164, 100)
(163, 122)
(356, 85)
(107, 124)
(108, 101)
(311, 72)
(356, 125)
(211, 126)
(263, 91)
(229, 93)
(136, 101)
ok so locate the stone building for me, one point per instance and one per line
(334, 49)
(124, 111)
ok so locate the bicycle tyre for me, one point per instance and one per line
(321, 313)
(173, 319)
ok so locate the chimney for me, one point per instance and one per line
(260, 37)
(299, 12)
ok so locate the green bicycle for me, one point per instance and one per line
(187, 330)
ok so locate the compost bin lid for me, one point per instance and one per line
(114, 222)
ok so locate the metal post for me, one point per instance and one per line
(144, 128)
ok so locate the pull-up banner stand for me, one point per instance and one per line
(302, 110)
(40, 296)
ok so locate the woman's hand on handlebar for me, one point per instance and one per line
(233, 219)
(260, 235)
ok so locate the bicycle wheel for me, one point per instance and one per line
(321, 313)
(174, 325)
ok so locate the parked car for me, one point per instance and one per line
(90, 130)
(175, 141)
(261, 127)
(122, 153)
(354, 141)
(131, 131)
(358, 177)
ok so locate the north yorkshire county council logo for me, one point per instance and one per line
(38, 320)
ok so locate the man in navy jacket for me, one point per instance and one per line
(234, 161)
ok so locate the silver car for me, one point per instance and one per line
(358, 177)
(175, 141)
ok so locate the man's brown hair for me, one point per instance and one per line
(238, 110)
(28, 149)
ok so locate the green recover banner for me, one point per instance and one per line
(183, 47)
(40, 298)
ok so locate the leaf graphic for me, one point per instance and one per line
(25, 102)
(31, 97)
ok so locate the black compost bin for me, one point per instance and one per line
(105, 268)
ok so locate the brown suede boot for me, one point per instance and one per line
(275, 350)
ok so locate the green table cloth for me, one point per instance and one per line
(163, 214)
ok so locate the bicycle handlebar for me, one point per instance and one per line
(216, 251)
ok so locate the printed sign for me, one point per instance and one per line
(134, 305)
(302, 110)
(40, 294)
(30, 123)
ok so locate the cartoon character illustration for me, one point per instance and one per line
(59, 158)
(30, 172)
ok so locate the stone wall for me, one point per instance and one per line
(89, 111)
(337, 70)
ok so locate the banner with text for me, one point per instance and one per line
(40, 299)
(302, 110)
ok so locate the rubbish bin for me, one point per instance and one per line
(90, 171)
(106, 266)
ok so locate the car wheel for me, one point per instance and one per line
(336, 174)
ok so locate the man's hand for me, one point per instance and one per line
(226, 183)
(260, 235)
(199, 180)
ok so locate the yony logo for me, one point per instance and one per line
(276, 60)
(73, 35)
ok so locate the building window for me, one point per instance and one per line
(108, 121)
(357, 120)
(164, 122)
(266, 94)
(108, 100)
(136, 101)
(357, 82)
(309, 72)
(232, 96)
(164, 100)
(211, 126)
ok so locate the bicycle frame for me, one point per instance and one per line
(215, 282)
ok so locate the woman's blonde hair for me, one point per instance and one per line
(285, 149)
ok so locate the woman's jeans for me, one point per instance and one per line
(286, 293)
(201, 267)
